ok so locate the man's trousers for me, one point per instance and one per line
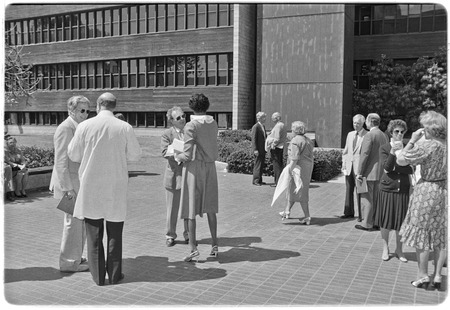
(98, 266)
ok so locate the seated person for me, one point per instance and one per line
(15, 159)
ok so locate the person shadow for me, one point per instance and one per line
(34, 274)
(160, 269)
(243, 250)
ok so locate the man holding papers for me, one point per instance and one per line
(172, 142)
(369, 168)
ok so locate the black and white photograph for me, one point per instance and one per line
(225, 154)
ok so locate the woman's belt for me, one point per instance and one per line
(434, 181)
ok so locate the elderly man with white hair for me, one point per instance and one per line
(103, 145)
(275, 143)
(65, 181)
(259, 148)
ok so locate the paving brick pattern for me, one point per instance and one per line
(263, 261)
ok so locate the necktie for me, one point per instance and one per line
(354, 141)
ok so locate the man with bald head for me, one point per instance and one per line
(275, 143)
(103, 145)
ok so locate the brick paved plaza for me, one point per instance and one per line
(262, 260)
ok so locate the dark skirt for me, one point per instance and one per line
(391, 209)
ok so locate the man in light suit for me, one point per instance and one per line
(103, 145)
(350, 162)
(172, 174)
(275, 143)
(259, 148)
(370, 168)
(65, 181)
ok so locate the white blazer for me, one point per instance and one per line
(350, 156)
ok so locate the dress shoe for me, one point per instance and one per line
(81, 268)
(437, 282)
(263, 183)
(122, 276)
(170, 242)
(257, 184)
(360, 227)
(346, 216)
(423, 282)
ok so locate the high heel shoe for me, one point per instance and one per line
(401, 258)
(423, 282)
(284, 215)
(306, 221)
(214, 251)
(192, 255)
(437, 284)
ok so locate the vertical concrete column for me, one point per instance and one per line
(244, 58)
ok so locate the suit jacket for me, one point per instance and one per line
(277, 137)
(173, 170)
(258, 139)
(350, 155)
(395, 178)
(65, 171)
(103, 145)
(369, 162)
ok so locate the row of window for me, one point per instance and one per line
(125, 20)
(169, 71)
(136, 119)
(399, 18)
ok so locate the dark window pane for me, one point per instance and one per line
(201, 15)
(150, 119)
(191, 16)
(365, 28)
(377, 27)
(427, 24)
(181, 11)
(389, 26)
(160, 119)
(400, 25)
(414, 24)
(141, 119)
(440, 23)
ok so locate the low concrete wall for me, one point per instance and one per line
(39, 178)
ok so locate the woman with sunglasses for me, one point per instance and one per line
(425, 224)
(394, 190)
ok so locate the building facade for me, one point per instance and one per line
(298, 59)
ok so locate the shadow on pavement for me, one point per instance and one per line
(132, 174)
(242, 250)
(34, 274)
(318, 221)
(159, 269)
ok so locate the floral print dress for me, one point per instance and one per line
(425, 224)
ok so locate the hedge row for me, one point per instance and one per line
(37, 157)
(236, 150)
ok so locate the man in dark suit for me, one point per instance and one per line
(172, 174)
(350, 163)
(258, 145)
(370, 168)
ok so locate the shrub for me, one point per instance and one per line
(37, 157)
(327, 164)
(235, 136)
(235, 149)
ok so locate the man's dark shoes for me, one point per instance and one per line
(122, 276)
(360, 227)
(346, 216)
(170, 242)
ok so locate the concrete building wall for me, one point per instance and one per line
(244, 66)
(300, 66)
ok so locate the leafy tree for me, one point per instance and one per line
(399, 91)
(19, 78)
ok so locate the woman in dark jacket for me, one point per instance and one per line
(394, 189)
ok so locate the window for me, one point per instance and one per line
(181, 16)
(360, 71)
(91, 27)
(142, 19)
(115, 23)
(399, 18)
(151, 18)
(124, 21)
(162, 71)
(201, 15)
(170, 17)
(161, 17)
(212, 15)
(74, 26)
(133, 22)
(82, 26)
(99, 32)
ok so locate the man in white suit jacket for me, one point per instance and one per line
(65, 180)
(350, 163)
(103, 145)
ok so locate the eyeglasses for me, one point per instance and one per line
(399, 131)
(180, 117)
(83, 110)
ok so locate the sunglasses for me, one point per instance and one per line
(83, 110)
(180, 117)
(399, 131)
